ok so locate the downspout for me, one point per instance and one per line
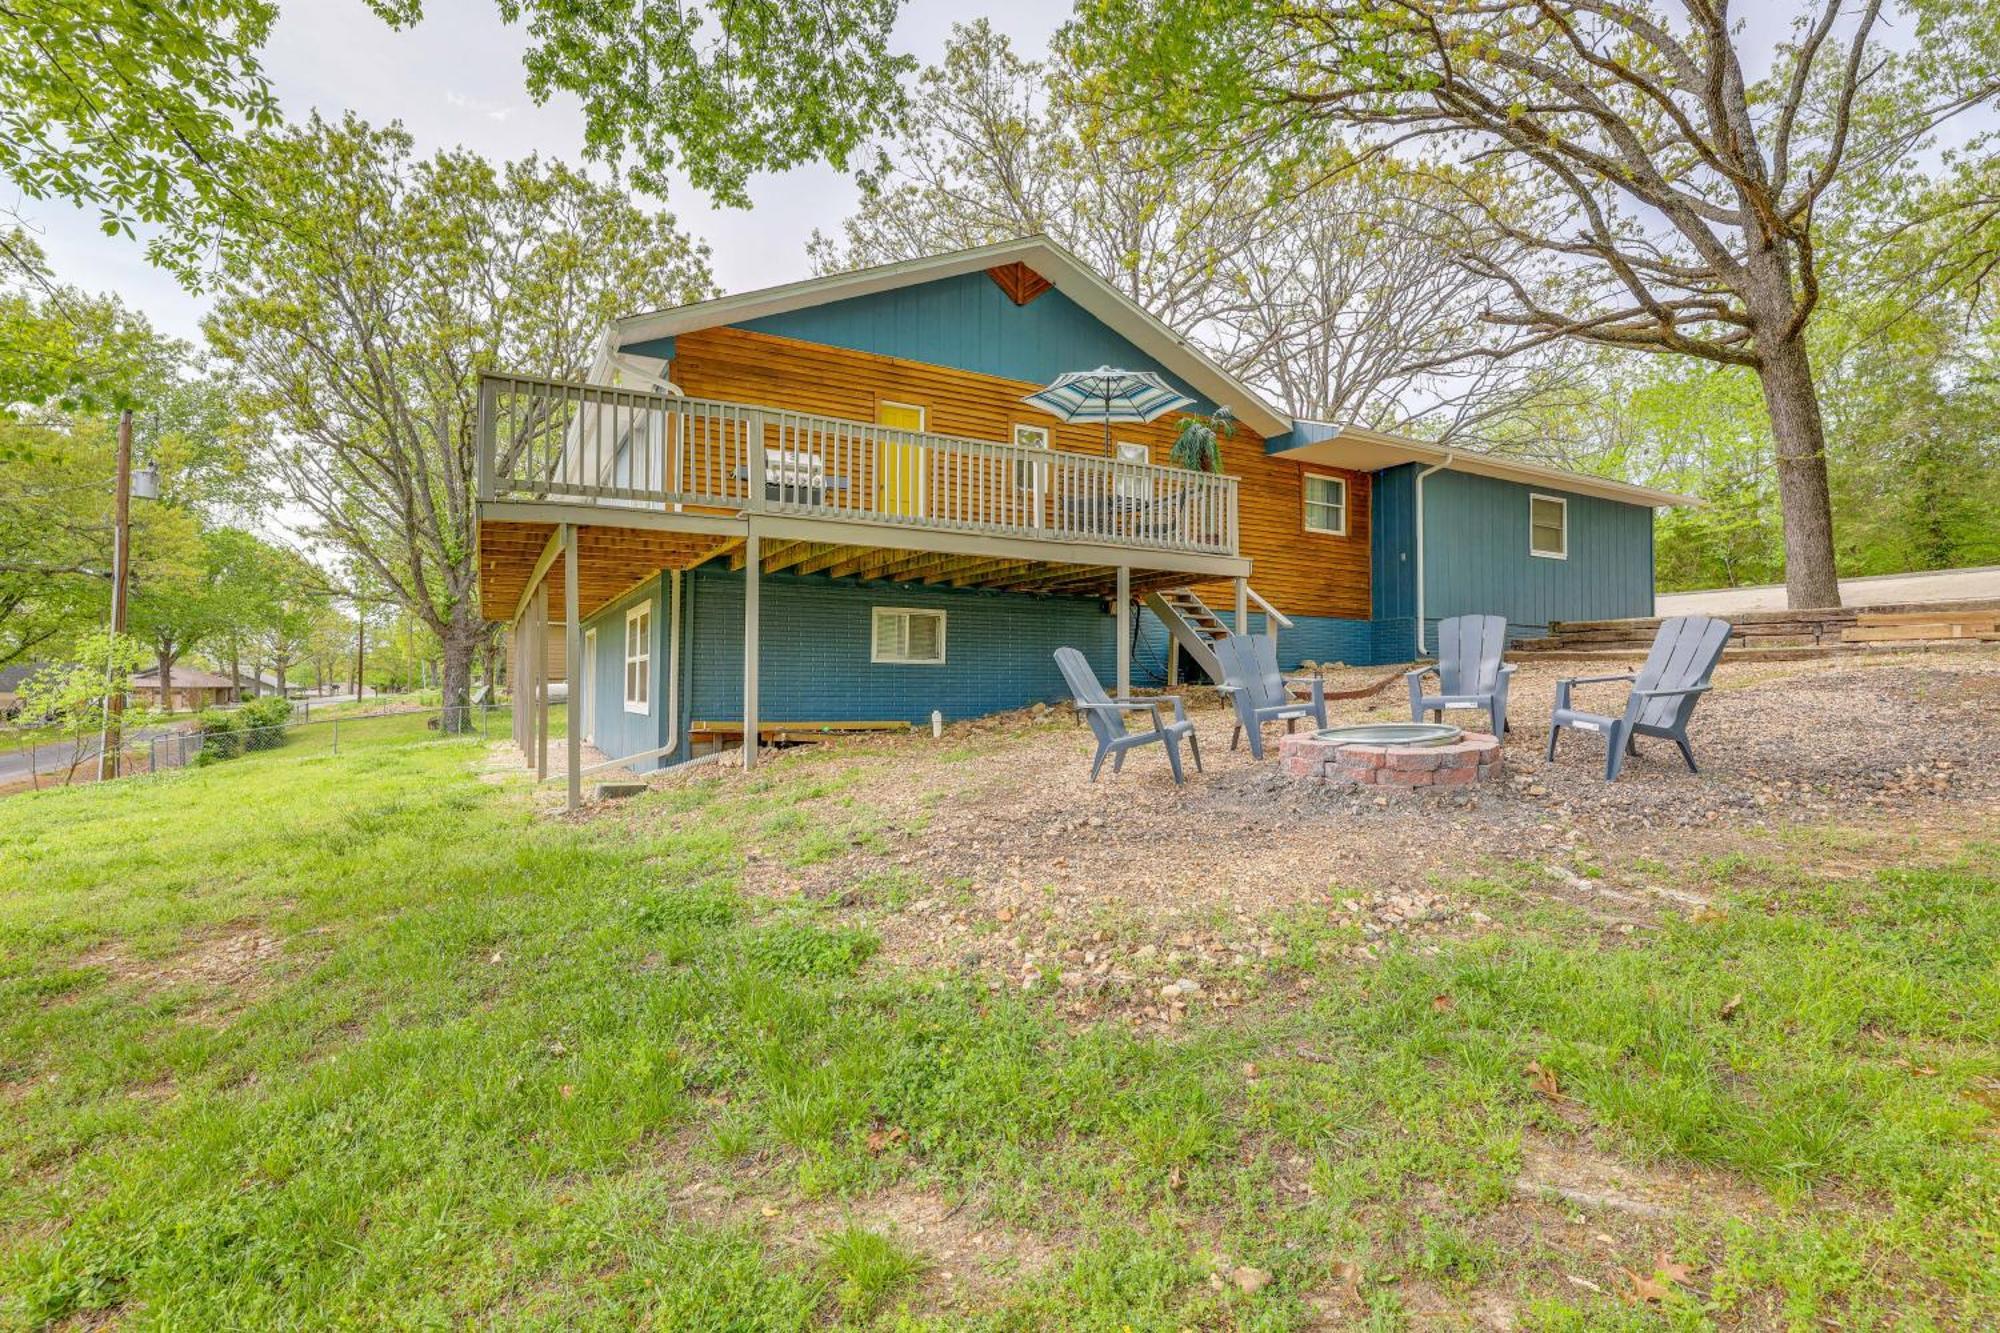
(1422, 649)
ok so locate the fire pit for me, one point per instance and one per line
(1392, 756)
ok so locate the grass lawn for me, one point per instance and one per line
(300, 1039)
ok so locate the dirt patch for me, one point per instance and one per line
(1013, 865)
(233, 967)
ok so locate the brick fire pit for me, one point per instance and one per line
(1473, 758)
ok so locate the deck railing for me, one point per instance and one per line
(585, 444)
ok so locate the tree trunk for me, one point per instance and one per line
(236, 666)
(461, 643)
(166, 682)
(1803, 499)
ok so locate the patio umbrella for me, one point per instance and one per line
(1108, 395)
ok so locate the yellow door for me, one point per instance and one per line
(899, 466)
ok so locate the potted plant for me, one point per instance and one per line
(1198, 446)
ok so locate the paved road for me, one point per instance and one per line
(51, 760)
(1945, 585)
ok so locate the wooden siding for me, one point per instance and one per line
(1300, 573)
(1476, 555)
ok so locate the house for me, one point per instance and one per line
(193, 689)
(827, 503)
(11, 680)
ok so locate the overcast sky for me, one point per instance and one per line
(456, 79)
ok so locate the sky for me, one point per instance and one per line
(456, 79)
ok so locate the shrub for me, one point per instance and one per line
(221, 735)
(263, 720)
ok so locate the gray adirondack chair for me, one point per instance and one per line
(1251, 679)
(1469, 670)
(1106, 716)
(1664, 692)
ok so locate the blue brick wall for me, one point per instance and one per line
(817, 634)
(1323, 639)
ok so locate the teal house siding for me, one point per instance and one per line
(999, 650)
(1476, 556)
(617, 732)
(965, 322)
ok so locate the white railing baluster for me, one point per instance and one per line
(590, 444)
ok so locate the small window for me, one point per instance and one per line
(1548, 527)
(639, 659)
(1326, 505)
(1129, 486)
(907, 637)
(1031, 476)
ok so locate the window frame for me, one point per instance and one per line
(1138, 488)
(875, 646)
(1562, 504)
(1306, 503)
(642, 613)
(1031, 474)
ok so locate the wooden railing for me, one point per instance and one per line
(584, 444)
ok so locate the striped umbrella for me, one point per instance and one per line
(1108, 395)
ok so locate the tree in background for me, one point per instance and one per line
(1683, 190)
(73, 696)
(140, 110)
(361, 327)
(1318, 289)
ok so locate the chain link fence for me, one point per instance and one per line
(32, 758)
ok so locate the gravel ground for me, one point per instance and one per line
(1133, 895)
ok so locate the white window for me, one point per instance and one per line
(1326, 505)
(639, 659)
(1133, 486)
(1548, 527)
(908, 637)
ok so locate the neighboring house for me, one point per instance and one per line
(193, 689)
(11, 678)
(917, 538)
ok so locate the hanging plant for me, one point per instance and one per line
(1198, 447)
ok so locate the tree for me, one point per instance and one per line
(1322, 290)
(360, 330)
(140, 110)
(1683, 190)
(135, 109)
(74, 695)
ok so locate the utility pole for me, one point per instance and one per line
(121, 560)
(360, 648)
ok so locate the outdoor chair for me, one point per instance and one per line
(1107, 718)
(1251, 679)
(1469, 671)
(1664, 692)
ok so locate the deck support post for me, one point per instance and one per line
(1124, 631)
(753, 568)
(1242, 605)
(541, 682)
(572, 670)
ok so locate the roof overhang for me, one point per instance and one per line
(1068, 274)
(1360, 450)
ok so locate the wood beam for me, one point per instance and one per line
(573, 671)
(752, 642)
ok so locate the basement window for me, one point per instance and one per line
(1548, 527)
(1326, 505)
(639, 659)
(907, 637)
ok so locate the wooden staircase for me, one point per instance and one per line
(1191, 624)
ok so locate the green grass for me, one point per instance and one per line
(477, 1061)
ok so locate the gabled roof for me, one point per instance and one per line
(1360, 450)
(185, 678)
(1068, 274)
